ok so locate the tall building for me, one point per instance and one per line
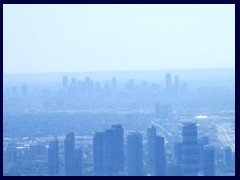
(108, 152)
(227, 156)
(114, 83)
(168, 82)
(151, 134)
(176, 85)
(176, 81)
(53, 159)
(98, 146)
(190, 149)
(118, 148)
(159, 165)
(69, 146)
(209, 161)
(134, 154)
(65, 82)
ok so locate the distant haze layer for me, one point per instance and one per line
(73, 38)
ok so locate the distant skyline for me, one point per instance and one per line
(76, 38)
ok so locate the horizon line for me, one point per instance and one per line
(95, 71)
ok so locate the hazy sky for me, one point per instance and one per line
(64, 38)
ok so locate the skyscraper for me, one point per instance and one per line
(134, 154)
(176, 85)
(98, 146)
(159, 158)
(168, 82)
(151, 134)
(69, 145)
(65, 82)
(209, 161)
(190, 149)
(227, 156)
(114, 83)
(118, 148)
(53, 160)
(108, 152)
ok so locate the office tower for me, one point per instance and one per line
(134, 154)
(176, 85)
(209, 161)
(98, 146)
(176, 81)
(159, 158)
(108, 152)
(114, 83)
(151, 134)
(65, 82)
(69, 145)
(168, 82)
(78, 162)
(227, 156)
(190, 149)
(118, 158)
(53, 158)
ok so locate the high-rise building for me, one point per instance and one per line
(114, 83)
(113, 150)
(69, 146)
(176, 85)
(227, 156)
(98, 146)
(168, 82)
(118, 148)
(151, 134)
(108, 152)
(209, 161)
(134, 154)
(159, 165)
(190, 149)
(53, 159)
(176, 81)
(65, 81)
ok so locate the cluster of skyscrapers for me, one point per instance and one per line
(112, 158)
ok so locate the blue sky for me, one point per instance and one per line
(66, 38)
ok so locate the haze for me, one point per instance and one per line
(67, 38)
